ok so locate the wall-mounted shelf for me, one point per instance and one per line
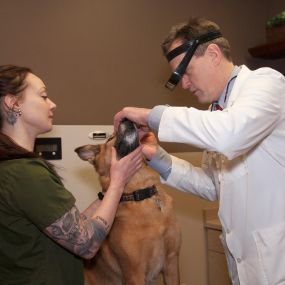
(269, 50)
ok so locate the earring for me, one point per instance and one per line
(12, 115)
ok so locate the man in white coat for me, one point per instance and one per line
(244, 141)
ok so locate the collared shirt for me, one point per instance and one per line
(228, 89)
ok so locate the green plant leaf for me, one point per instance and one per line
(277, 20)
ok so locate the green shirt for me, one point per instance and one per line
(32, 198)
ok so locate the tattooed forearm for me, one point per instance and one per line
(80, 235)
(103, 221)
(100, 231)
(83, 217)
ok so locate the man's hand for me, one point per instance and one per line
(149, 144)
(138, 115)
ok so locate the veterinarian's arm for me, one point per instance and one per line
(176, 172)
(83, 236)
(161, 162)
(188, 178)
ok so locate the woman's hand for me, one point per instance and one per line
(122, 170)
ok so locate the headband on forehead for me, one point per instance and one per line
(196, 41)
(189, 47)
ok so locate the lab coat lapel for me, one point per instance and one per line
(243, 74)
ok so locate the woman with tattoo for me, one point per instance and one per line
(43, 237)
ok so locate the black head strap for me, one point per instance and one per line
(196, 41)
(189, 47)
(180, 49)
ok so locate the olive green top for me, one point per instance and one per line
(31, 198)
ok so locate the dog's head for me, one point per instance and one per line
(125, 141)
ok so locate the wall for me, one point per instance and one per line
(98, 56)
(272, 8)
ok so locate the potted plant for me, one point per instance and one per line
(275, 28)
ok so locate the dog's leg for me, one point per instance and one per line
(89, 277)
(135, 278)
(171, 271)
(136, 281)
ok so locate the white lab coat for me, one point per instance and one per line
(243, 167)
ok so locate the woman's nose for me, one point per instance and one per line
(52, 105)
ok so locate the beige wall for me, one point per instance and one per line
(274, 7)
(98, 56)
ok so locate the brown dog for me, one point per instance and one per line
(144, 241)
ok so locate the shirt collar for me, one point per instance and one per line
(227, 90)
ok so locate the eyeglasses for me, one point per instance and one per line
(189, 47)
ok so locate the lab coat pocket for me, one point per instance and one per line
(270, 244)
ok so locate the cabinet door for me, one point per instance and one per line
(217, 269)
(217, 264)
(213, 240)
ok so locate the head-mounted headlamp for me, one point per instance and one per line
(189, 47)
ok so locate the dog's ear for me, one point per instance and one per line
(127, 138)
(87, 152)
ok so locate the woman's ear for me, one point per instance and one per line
(11, 101)
(11, 108)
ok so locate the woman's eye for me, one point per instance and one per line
(45, 97)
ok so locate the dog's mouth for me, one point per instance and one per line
(127, 138)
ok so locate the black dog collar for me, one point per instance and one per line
(137, 195)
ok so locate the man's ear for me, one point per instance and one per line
(215, 54)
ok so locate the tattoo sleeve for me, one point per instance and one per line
(79, 234)
(103, 221)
